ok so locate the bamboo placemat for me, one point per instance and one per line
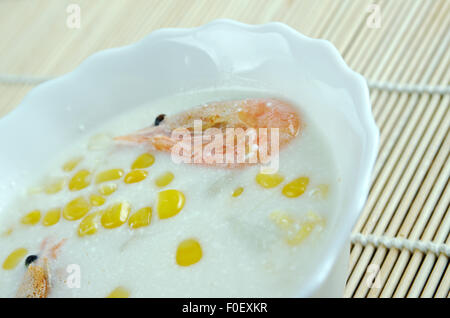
(406, 63)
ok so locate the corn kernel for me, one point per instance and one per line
(80, 180)
(31, 218)
(71, 164)
(143, 161)
(283, 220)
(100, 142)
(76, 209)
(189, 252)
(14, 258)
(299, 236)
(89, 224)
(238, 191)
(141, 218)
(296, 231)
(51, 217)
(135, 176)
(296, 187)
(164, 179)
(320, 192)
(55, 186)
(170, 203)
(119, 292)
(269, 180)
(108, 189)
(116, 215)
(97, 200)
(109, 175)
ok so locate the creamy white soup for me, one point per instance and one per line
(117, 217)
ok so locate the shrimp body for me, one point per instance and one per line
(36, 280)
(248, 113)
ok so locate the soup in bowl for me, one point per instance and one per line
(180, 167)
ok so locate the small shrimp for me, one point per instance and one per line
(245, 114)
(36, 281)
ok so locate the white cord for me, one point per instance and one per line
(409, 88)
(387, 86)
(401, 243)
(22, 79)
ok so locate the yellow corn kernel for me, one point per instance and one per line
(238, 191)
(31, 218)
(189, 252)
(14, 258)
(298, 237)
(164, 179)
(269, 180)
(54, 186)
(76, 209)
(143, 161)
(282, 220)
(108, 189)
(100, 142)
(115, 215)
(170, 203)
(296, 231)
(51, 217)
(71, 164)
(89, 224)
(119, 292)
(296, 187)
(80, 180)
(97, 200)
(320, 192)
(141, 218)
(109, 175)
(135, 176)
(306, 227)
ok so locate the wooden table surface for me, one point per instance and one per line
(401, 47)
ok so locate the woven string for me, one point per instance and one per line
(386, 86)
(401, 243)
(22, 79)
(409, 88)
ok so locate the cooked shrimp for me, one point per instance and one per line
(245, 114)
(36, 281)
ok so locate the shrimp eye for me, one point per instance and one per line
(30, 259)
(159, 119)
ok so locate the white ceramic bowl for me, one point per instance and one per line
(219, 54)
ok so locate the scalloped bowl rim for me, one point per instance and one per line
(355, 82)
